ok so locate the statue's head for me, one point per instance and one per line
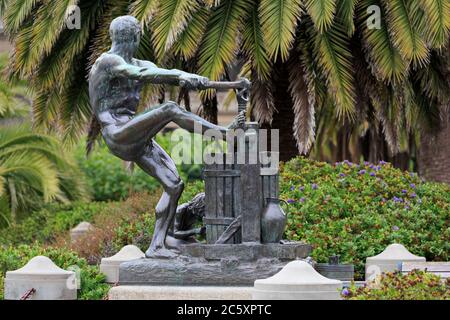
(126, 31)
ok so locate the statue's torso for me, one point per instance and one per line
(114, 99)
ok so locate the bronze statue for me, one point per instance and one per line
(115, 82)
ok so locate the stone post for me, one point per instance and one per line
(110, 266)
(297, 281)
(389, 260)
(40, 279)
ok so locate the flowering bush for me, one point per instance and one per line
(356, 210)
(416, 285)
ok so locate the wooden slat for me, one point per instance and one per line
(220, 202)
(228, 201)
(219, 221)
(210, 197)
(237, 196)
(222, 173)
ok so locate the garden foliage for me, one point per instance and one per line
(416, 285)
(357, 210)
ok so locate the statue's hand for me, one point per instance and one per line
(193, 81)
(239, 121)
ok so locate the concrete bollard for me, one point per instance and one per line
(297, 281)
(110, 266)
(80, 230)
(389, 260)
(40, 279)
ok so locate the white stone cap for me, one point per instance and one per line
(395, 252)
(127, 253)
(83, 226)
(40, 266)
(297, 274)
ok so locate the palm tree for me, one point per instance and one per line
(14, 100)
(318, 71)
(34, 170)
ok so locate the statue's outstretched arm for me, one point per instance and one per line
(150, 74)
(147, 71)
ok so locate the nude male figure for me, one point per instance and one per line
(115, 82)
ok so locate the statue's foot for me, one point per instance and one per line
(161, 253)
(174, 244)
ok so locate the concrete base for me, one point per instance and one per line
(179, 293)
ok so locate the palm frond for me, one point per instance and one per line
(15, 13)
(189, 39)
(262, 102)
(71, 43)
(143, 10)
(403, 25)
(278, 21)
(253, 42)
(46, 31)
(334, 57)
(169, 21)
(220, 44)
(386, 61)
(303, 97)
(438, 13)
(346, 14)
(322, 13)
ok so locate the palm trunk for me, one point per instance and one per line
(209, 109)
(434, 155)
(283, 118)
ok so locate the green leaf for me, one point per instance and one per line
(334, 57)
(403, 24)
(143, 10)
(15, 14)
(438, 13)
(188, 41)
(321, 12)
(278, 21)
(386, 60)
(219, 46)
(253, 43)
(346, 14)
(169, 21)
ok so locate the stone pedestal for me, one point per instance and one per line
(110, 266)
(297, 281)
(48, 280)
(213, 265)
(80, 230)
(389, 260)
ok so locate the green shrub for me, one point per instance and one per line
(416, 285)
(357, 210)
(109, 179)
(93, 286)
(45, 225)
